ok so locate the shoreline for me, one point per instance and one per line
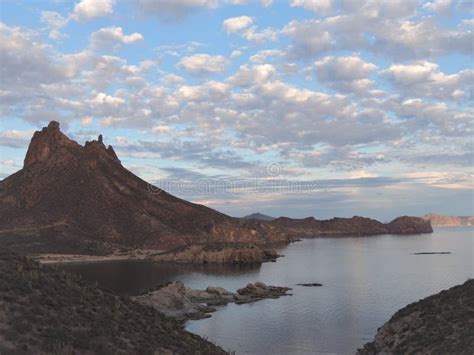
(47, 259)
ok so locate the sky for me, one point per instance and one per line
(299, 108)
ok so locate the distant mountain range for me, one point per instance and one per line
(310, 226)
(438, 220)
(259, 216)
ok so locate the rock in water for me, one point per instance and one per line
(439, 324)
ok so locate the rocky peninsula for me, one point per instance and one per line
(219, 253)
(182, 303)
(439, 324)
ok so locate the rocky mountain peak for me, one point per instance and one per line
(47, 142)
(51, 143)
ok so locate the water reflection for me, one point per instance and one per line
(132, 277)
(366, 279)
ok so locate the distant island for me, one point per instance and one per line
(439, 220)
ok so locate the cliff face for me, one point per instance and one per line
(449, 221)
(73, 198)
(353, 226)
(439, 324)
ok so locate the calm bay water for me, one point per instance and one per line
(366, 279)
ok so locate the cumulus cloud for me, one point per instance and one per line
(55, 23)
(89, 9)
(387, 28)
(257, 74)
(25, 62)
(236, 24)
(442, 7)
(203, 64)
(110, 37)
(312, 5)
(15, 138)
(236, 54)
(243, 26)
(309, 37)
(348, 74)
(424, 79)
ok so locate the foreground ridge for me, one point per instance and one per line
(48, 311)
(439, 324)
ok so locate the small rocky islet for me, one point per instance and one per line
(177, 301)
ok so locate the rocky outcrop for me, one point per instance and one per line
(44, 310)
(409, 225)
(439, 324)
(182, 303)
(311, 227)
(438, 220)
(70, 198)
(219, 254)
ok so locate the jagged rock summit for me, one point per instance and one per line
(70, 198)
(51, 144)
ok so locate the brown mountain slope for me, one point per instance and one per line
(80, 199)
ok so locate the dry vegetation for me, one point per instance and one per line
(45, 310)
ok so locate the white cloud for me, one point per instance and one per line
(110, 37)
(442, 7)
(236, 54)
(343, 68)
(346, 74)
(102, 99)
(263, 55)
(15, 138)
(309, 36)
(211, 90)
(313, 5)
(424, 79)
(89, 9)
(171, 79)
(86, 120)
(172, 10)
(253, 35)
(257, 74)
(55, 22)
(243, 26)
(203, 64)
(236, 24)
